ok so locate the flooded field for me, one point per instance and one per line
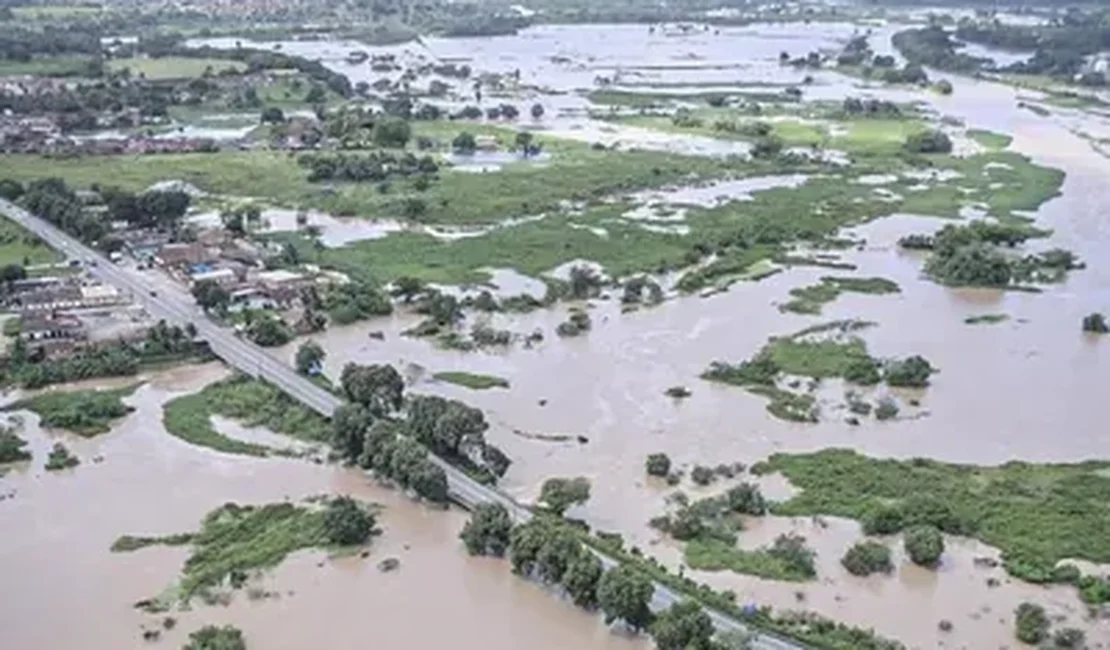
(58, 528)
(1028, 388)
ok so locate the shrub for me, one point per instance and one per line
(929, 142)
(887, 409)
(886, 520)
(924, 544)
(658, 465)
(1069, 637)
(702, 475)
(865, 558)
(346, 523)
(864, 371)
(910, 372)
(1095, 323)
(1031, 623)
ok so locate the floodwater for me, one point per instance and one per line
(138, 479)
(1029, 388)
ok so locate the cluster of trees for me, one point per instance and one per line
(924, 544)
(930, 141)
(1095, 323)
(211, 637)
(346, 522)
(1059, 49)
(934, 46)
(78, 107)
(375, 166)
(354, 301)
(374, 432)
(713, 517)
(558, 494)
(870, 107)
(52, 200)
(160, 209)
(19, 43)
(970, 255)
(267, 330)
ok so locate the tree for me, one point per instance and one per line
(211, 296)
(309, 357)
(1095, 323)
(523, 142)
(392, 132)
(379, 387)
(465, 143)
(407, 287)
(584, 282)
(924, 544)
(269, 331)
(746, 499)
(683, 626)
(933, 141)
(863, 371)
(346, 523)
(581, 578)
(561, 493)
(272, 115)
(558, 552)
(702, 475)
(211, 637)
(537, 111)
(944, 87)
(910, 372)
(624, 594)
(10, 190)
(767, 147)
(865, 558)
(376, 442)
(658, 465)
(12, 272)
(430, 481)
(488, 531)
(349, 425)
(1031, 623)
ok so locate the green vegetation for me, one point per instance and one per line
(1031, 623)
(60, 458)
(234, 540)
(787, 559)
(1038, 515)
(47, 66)
(249, 401)
(172, 67)
(211, 637)
(17, 246)
(87, 413)
(1095, 323)
(658, 465)
(558, 494)
(488, 532)
(986, 319)
(810, 299)
(127, 543)
(11, 447)
(865, 558)
(990, 139)
(471, 380)
(924, 544)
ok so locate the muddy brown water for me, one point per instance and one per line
(1029, 388)
(62, 588)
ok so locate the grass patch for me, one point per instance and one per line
(251, 402)
(86, 412)
(710, 554)
(810, 299)
(18, 246)
(47, 66)
(173, 67)
(819, 359)
(471, 380)
(986, 319)
(236, 539)
(1037, 514)
(990, 139)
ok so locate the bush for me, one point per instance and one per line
(865, 558)
(924, 544)
(885, 520)
(658, 465)
(488, 531)
(1031, 623)
(887, 409)
(561, 493)
(1095, 323)
(346, 523)
(211, 637)
(1069, 637)
(792, 550)
(702, 475)
(746, 499)
(910, 372)
(929, 142)
(863, 371)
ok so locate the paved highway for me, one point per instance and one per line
(177, 306)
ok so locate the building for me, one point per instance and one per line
(38, 327)
(192, 254)
(225, 277)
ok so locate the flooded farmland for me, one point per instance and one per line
(1028, 388)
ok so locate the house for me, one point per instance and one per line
(67, 295)
(181, 254)
(281, 279)
(143, 245)
(225, 277)
(100, 295)
(52, 326)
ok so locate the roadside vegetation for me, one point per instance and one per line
(87, 412)
(235, 542)
(1038, 515)
(249, 401)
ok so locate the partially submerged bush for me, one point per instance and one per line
(865, 558)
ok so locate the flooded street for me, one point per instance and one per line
(1029, 388)
(58, 528)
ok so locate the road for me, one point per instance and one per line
(177, 306)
